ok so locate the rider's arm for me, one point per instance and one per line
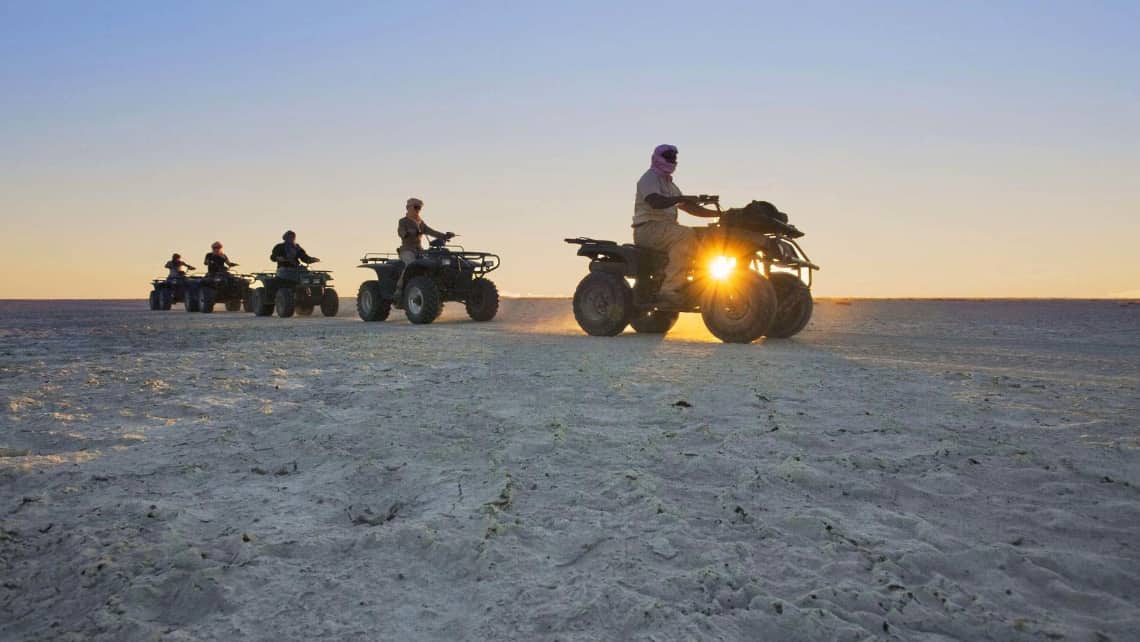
(304, 256)
(686, 203)
(660, 202)
(430, 232)
(278, 253)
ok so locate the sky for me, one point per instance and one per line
(927, 149)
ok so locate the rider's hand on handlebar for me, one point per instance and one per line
(450, 235)
(315, 260)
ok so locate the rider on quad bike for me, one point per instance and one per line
(219, 285)
(655, 223)
(745, 273)
(419, 281)
(177, 268)
(217, 263)
(411, 231)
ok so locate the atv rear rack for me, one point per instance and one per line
(481, 262)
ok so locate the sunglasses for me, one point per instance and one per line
(670, 156)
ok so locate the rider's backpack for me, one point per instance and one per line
(758, 216)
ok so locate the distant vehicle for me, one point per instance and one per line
(747, 280)
(166, 292)
(231, 290)
(292, 291)
(438, 274)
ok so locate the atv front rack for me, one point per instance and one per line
(319, 277)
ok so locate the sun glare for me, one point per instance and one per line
(721, 266)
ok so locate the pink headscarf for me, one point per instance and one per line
(658, 163)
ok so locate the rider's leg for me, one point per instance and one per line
(679, 241)
(407, 256)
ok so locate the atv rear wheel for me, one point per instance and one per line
(330, 303)
(422, 302)
(370, 305)
(654, 321)
(259, 303)
(206, 298)
(233, 305)
(483, 303)
(285, 301)
(190, 300)
(155, 300)
(603, 304)
(794, 305)
(740, 309)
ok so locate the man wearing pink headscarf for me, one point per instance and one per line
(655, 220)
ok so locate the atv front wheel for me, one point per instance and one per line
(603, 304)
(422, 302)
(155, 300)
(370, 305)
(206, 298)
(794, 305)
(483, 303)
(654, 321)
(330, 303)
(166, 299)
(259, 303)
(741, 309)
(285, 301)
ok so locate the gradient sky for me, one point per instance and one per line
(927, 148)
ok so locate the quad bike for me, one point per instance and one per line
(438, 274)
(292, 291)
(746, 280)
(166, 292)
(232, 290)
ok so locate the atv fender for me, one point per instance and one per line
(387, 275)
(620, 268)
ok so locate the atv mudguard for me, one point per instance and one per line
(387, 275)
(625, 259)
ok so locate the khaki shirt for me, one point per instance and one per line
(652, 183)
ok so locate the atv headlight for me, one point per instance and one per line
(721, 267)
